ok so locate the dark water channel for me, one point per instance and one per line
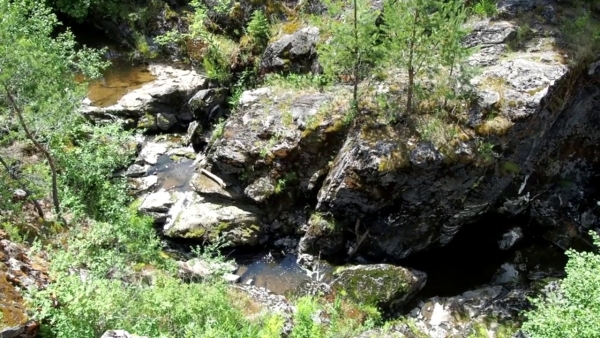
(473, 258)
(174, 175)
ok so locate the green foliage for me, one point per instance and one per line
(258, 28)
(485, 8)
(296, 81)
(166, 308)
(414, 30)
(343, 52)
(572, 310)
(304, 325)
(284, 181)
(218, 130)
(88, 156)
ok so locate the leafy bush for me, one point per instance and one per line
(572, 310)
(259, 29)
(485, 8)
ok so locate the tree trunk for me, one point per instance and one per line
(356, 60)
(411, 69)
(28, 194)
(41, 148)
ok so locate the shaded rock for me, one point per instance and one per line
(158, 104)
(323, 236)
(510, 238)
(205, 104)
(386, 285)
(193, 217)
(292, 53)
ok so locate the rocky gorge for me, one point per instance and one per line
(452, 225)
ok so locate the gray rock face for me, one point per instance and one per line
(206, 104)
(292, 53)
(385, 285)
(277, 139)
(158, 105)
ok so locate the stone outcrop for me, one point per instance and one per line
(160, 105)
(383, 285)
(295, 53)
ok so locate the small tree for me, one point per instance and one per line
(423, 37)
(353, 50)
(37, 90)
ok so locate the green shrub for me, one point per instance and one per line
(304, 325)
(573, 310)
(258, 28)
(485, 8)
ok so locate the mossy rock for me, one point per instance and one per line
(14, 314)
(384, 285)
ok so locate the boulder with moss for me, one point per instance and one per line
(384, 285)
(195, 218)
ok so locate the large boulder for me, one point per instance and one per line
(415, 189)
(157, 106)
(384, 285)
(292, 53)
(193, 217)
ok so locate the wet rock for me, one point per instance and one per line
(292, 53)
(386, 285)
(150, 153)
(194, 134)
(205, 104)
(120, 334)
(157, 105)
(193, 217)
(510, 238)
